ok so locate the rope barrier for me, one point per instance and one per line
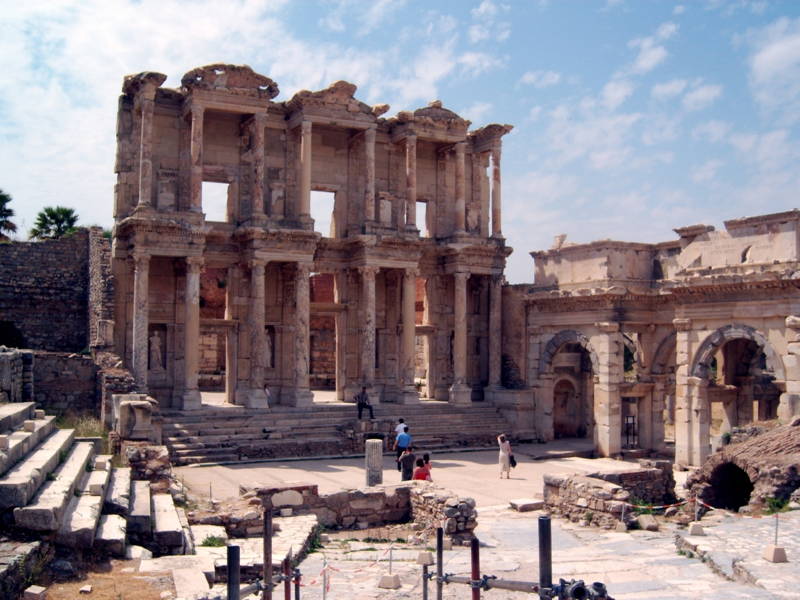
(655, 507)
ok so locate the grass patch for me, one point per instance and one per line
(85, 425)
(213, 541)
(776, 505)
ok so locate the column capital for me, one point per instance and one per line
(411, 140)
(370, 132)
(305, 126)
(256, 263)
(607, 326)
(368, 271)
(259, 119)
(412, 272)
(194, 263)
(461, 276)
(303, 269)
(497, 151)
(140, 258)
(682, 324)
(460, 147)
(197, 110)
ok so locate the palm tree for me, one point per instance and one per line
(53, 223)
(6, 226)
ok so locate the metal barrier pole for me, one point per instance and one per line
(267, 593)
(297, 577)
(233, 573)
(424, 582)
(545, 554)
(439, 561)
(475, 556)
(287, 580)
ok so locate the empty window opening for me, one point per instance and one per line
(730, 487)
(422, 218)
(322, 205)
(215, 201)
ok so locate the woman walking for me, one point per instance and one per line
(505, 455)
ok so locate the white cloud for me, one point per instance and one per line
(679, 9)
(541, 79)
(702, 97)
(476, 63)
(775, 68)
(615, 92)
(668, 89)
(534, 113)
(707, 171)
(476, 112)
(486, 25)
(651, 53)
(711, 131)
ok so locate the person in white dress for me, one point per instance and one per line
(505, 456)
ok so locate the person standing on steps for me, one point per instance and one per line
(402, 442)
(505, 455)
(400, 427)
(362, 402)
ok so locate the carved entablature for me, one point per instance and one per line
(433, 122)
(240, 80)
(488, 136)
(337, 101)
(133, 84)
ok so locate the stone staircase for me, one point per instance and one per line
(221, 434)
(62, 491)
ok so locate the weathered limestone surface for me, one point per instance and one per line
(167, 530)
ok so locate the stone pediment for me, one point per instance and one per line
(435, 113)
(431, 121)
(236, 79)
(339, 96)
(488, 135)
(132, 84)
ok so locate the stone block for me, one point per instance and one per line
(696, 528)
(287, 498)
(35, 592)
(38, 414)
(4, 442)
(647, 522)
(526, 504)
(775, 554)
(389, 582)
(29, 425)
(286, 512)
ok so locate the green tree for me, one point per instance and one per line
(53, 223)
(6, 225)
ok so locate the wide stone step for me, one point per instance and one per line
(12, 415)
(44, 513)
(140, 519)
(22, 482)
(80, 521)
(167, 528)
(21, 442)
(118, 495)
(110, 536)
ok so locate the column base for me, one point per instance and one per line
(301, 398)
(461, 394)
(191, 400)
(256, 399)
(490, 390)
(408, 396)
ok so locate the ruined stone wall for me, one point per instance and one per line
(112, 378)
(65, 382)
(101, 290)
(433, 507)
(16, 375)
(44, 291)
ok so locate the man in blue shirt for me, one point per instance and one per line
(402, 442)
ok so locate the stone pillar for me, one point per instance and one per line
(496, 198)
(256, 397)
(368, 325)
(232, 339)
(495, 330)
(341, 294)
(369, 157)
(304, 201)
(191, 345)
(141, 281)
(259, 123)
(659, 406)
(411, 182)
(302, 391)
(409, 392)
(373, 462)
(607, 403)
(460, 392)
(460, 204)
(196, 151)
(789, 406)
(683, 413)
(700, 420)
(146, 105)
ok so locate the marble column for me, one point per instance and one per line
(257, 398)
(146, 106)
(369, 158)
(233, 394)
(373, 462)
(304, 201)
(496, 197)
(789, 403)
(411, 182)
(495, 330)
(409, 392)
(341, 294)
(196, 153)
(141, 281)
(302, 391)
(460, 204)
(659, 406)
(191, 345)
(700, 411)
(258, 125)
(460, 392)
(683, 413)
(607, 402)
(368, 325)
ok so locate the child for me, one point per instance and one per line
(421, 473)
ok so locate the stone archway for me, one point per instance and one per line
(567, 413)
(701, 365)
(730, 487)
(566, 336)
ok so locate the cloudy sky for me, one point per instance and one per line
(631, 117)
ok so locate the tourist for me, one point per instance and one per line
(421, 473)
(406, 462)
(426, 459)
(402, 442)
(505, 455)
(362, 402)
(400, 427)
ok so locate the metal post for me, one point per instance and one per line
(390, 560)
(267, 593)
(776, 529)
(233, 573)
(424, 582)
(545, 553)
(475, 556)
(297, 577)
(324, 579)
(287, 581)
(439, 561)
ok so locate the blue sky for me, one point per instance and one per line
(631, 117)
